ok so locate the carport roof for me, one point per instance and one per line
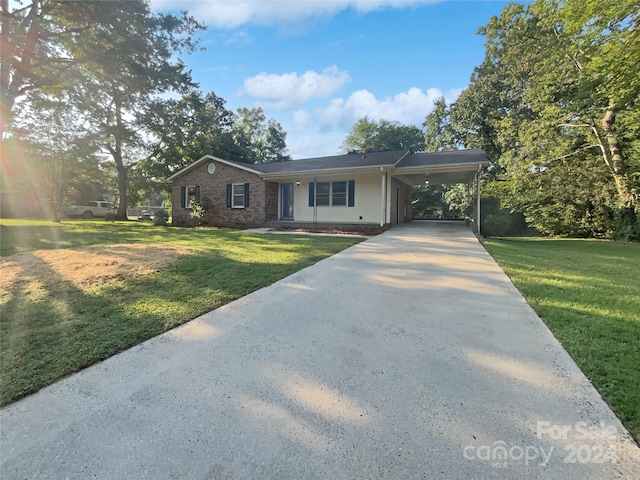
(399, 160)
(456, 157)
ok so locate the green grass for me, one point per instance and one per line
(28, 235)
(588, 293)
(52, 332)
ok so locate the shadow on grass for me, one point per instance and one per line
(73, 234)
(56, 329)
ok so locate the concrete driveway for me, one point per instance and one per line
(410, 355)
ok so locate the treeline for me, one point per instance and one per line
(95, 96)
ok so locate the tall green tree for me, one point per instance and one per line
(573, 96)
(131, 64)
(439, 134)
(183, 130)
(259, 140)
(371, 136)
(58, 155)
(555, 88)
(111, 58)
(35, 39)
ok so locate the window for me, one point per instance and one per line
(188, 193)
(323, 194)
(339, 194)
(238, 195)
(191, 195)
(336, 194)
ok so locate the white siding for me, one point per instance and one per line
(368, 202)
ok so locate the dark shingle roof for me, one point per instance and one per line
(396, 158)
(474, 155)
(352, 160)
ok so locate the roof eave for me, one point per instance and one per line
(372, 168)
(466, 166)
(201, 160)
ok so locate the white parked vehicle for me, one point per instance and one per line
(91, 209)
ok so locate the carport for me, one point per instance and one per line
(452, 167)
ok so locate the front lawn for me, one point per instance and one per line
(78, 292)
(588, 293)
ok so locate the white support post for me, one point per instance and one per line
(315, 201)
(478, 199)
(384, 199)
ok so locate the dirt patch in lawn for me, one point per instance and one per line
(84, 267)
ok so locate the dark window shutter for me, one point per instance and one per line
(246, 195)
(183, 197)
(198, 192)
(229, 195)
(312, 193)
(352, 193)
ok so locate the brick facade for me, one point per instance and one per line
(263, 197)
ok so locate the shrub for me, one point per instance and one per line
(503, 224)
(161, 218)
(199, 209)
(626, 225)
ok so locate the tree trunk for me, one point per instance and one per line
(6, 102)
(122, 190)
(116, 153)
(616, 161)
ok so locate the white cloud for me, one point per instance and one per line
(310, 144)
(301, 120)
(322, 131)
(291, 89)
(409, 107)
(232, 14)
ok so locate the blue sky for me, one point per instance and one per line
(319, 66)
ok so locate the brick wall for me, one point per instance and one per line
(214, 187)
(271, 201)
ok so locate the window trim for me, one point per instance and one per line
(343, 195)
(234, 195)
(348, 195)
(187, 197)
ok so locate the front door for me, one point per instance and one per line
(286, 201)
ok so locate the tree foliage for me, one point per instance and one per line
(57, 157)
(194, 125)
(111, 60)
(439, 134)
(258, 140)
(371, 136)
(183, 130)
(37, 40)
(555, 106)
(131, 64)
